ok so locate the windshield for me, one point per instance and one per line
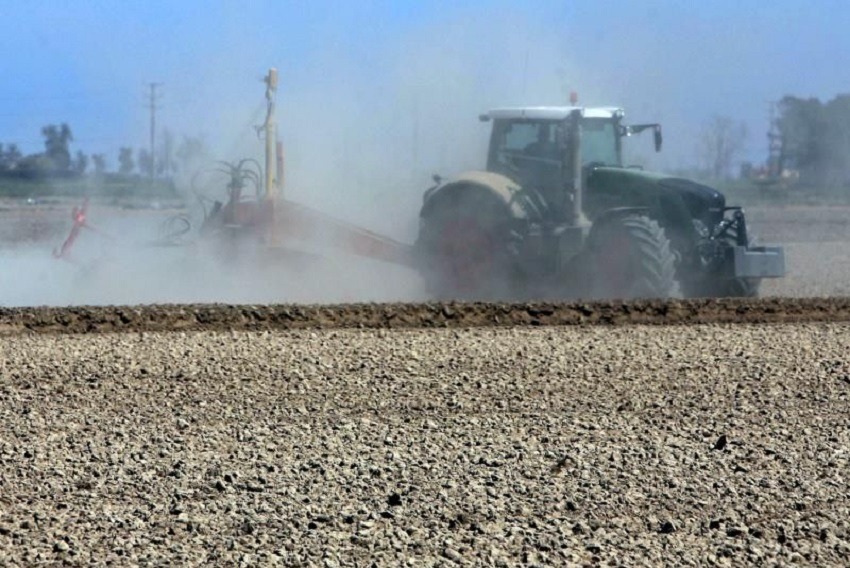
(533, 140)
(523, 145)
(529, 151)
(599, 142)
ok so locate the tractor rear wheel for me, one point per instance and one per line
(631, 257)
(463, 248)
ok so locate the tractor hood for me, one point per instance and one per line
(633, 187)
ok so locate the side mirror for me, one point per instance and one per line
(638, 128)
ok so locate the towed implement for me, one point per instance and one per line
(255, 216)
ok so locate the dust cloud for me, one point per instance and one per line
(365, 121)
(122, 263)
(363, 128)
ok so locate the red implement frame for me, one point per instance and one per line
(294, 221)
(78, 218)
(280, 223)
(79, 221)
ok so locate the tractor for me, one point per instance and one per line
(556, 214)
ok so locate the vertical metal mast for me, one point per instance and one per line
(271, 137)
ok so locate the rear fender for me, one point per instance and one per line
(496, 187)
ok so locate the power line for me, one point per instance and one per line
(76, 141)
(63, 97)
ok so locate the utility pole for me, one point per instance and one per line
(152, 107)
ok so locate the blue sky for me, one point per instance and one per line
(402, 81)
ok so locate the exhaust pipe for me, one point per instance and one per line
(573, 178)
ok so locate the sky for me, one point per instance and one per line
(375, 95)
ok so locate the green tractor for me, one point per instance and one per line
(556, 214)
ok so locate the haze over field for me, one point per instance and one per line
(402, 82)
(375, 97)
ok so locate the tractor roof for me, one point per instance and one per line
(553, 112)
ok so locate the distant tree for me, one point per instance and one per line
(36, 164)
(802, 123)
(13, 154)
(10, 156)
(81, 162)
(126, 164)
(57, 140)
(815, 138)
(165, 164)
(836, 141)
(144, 161)
(99, 161)
(720, 143)
(191, 152)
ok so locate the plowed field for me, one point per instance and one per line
(641, 434)
(633, 445)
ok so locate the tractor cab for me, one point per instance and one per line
(539, 135)
(545, 149)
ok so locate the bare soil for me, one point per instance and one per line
(548, 446)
